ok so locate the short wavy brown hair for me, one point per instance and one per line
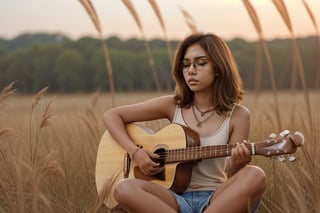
(227, 88)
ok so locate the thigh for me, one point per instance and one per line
(250, 179)
(242, 189)
(137, 186)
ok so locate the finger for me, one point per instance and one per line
(238, 148)
(235, 153)
(245, 154)
(240, 153)
(153, 171)
(245, 149)
(234, 150)
(152, 154)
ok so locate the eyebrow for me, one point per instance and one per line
(199, 57)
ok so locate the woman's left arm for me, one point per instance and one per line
(239, 132)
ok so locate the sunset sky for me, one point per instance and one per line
(227, 18)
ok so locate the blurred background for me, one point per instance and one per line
(64, 63)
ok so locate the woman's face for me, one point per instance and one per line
(198, 69)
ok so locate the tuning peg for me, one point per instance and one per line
(284, 133)
(292, 158)
(281, 158)
(300, 135)
(272, 135)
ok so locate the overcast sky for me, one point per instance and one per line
(227, 18)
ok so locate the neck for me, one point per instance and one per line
(203, 102)
(197, 153)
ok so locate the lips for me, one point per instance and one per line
(192, 81)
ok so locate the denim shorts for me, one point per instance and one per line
(196, 201)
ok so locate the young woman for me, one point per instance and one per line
(206, 99)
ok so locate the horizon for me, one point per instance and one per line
(150, 39)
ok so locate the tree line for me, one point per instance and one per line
(34, 61)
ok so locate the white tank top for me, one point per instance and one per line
(208, 174)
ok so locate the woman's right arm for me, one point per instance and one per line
(116, 119)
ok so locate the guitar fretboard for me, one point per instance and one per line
(197, 153)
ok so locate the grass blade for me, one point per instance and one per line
(88, 6)
(255, 20)
(135, 16)
(189, 20)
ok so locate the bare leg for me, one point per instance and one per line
(142, 196)
(243, 188)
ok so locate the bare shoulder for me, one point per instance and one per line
(239, 124)
(240, 114)
(240, 110)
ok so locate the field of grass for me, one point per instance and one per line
(48, 145)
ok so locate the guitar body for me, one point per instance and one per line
(114, 164)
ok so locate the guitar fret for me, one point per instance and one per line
(197, 152)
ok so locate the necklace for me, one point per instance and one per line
(199, 124)
(203, 112)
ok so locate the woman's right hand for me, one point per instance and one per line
(143, 159)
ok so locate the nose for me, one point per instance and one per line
(193, 66)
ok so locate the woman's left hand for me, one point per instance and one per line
(240, 155)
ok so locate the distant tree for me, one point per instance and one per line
(17, 67)
(36, 61)
(69, 71)
(43, 64)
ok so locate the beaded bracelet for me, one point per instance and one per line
(135, 152)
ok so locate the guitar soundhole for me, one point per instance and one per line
(161, 175)
(161, 152)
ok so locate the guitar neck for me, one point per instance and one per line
(205, 152)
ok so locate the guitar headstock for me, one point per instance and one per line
(285, 143)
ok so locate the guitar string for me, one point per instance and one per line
(208, 148)
(191, 150)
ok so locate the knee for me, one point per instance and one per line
(257, 178)
(122, 190)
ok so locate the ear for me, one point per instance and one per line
(216, 70)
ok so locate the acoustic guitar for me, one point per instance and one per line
(179, 150)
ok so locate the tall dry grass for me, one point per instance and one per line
(314, 22)
(159, 16)
(136, 18)
(91, 11)
(157, 11)
(189, 20)
(48, 146)
(255, 20)
(38, 174)
(61, 179)
(282, 9)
